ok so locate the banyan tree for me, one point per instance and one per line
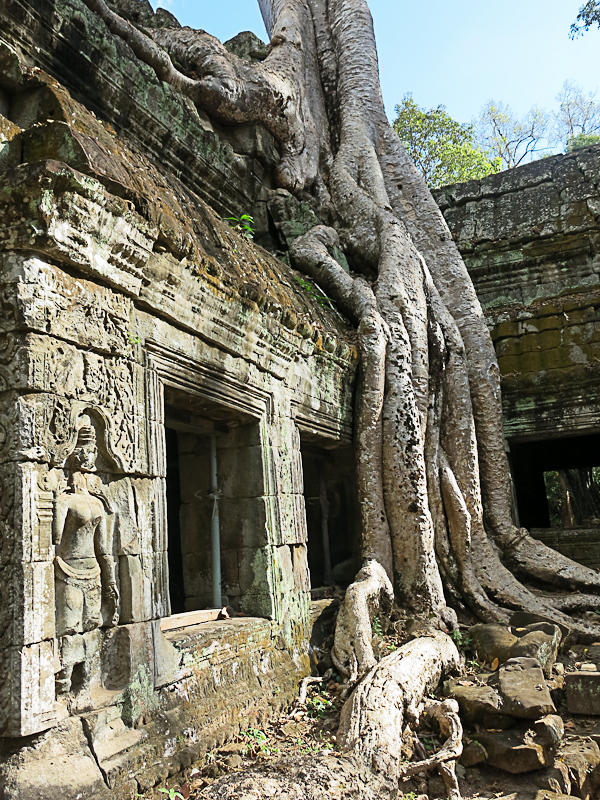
(432, 472)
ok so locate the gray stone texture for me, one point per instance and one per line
(583, 692)
(523, 688)
(529, 239)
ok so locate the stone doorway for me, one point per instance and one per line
(557, 487)
(190, 423)
(330, 493)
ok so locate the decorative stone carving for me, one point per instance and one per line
(84, 569)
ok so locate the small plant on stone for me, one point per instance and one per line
(258, 742)
(376, 627)
(461, 640)
(131, 342)
(172, 793)
(319, 706)
(315, 292)
(243, 225)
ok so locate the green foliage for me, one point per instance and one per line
(582, 140)
(319, 706)
(257, 741)
(376, 627)
(589, 15)
(554, 497)
(243, 225)
(172, 793)
(132, 341)
(444, 151)
(307, 747)
(315, 292)
(461, 639)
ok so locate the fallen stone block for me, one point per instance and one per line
(475, 701)
(555, 779)
(492, 641)
(523, 689)
(549, 731)
(581, 756)
(514, 751)
(583, 692)
(539, 641)
(472, 754)
(545, 794)
(521, 619)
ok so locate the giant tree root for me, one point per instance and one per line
(369, 736)
(352, 652)
(445, 714)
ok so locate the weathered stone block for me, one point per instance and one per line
(541, 642)
(167, 659)
(27, 610)
(583, 692)
(523, 689)
(581, 756)
(245, 522)
(290, 524)
(492, 641)
(62, 765)
(242, 472)
(45, 299)
(197, 575)
(521, 619)
(300, 566)
(476, 702)
(230, 573)
(27, 691)
(131, 583)
(125, 650)
(513, 751)
(159, 585)
(255, 565)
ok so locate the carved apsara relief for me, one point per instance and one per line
(84, 566)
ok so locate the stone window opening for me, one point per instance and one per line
(331, 516)
(191, 422)
(557, 486)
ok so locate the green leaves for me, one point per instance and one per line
(172, 793)
(320, 706)
(444, 151)
(589, 14)
(243, 224)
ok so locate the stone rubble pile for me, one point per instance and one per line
(511, 706)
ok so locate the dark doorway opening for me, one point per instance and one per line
(537, 468)
(199, 435)
(329, 476)
(174, 553)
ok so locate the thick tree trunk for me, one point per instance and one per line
(431, 465)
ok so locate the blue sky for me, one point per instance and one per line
(457, 52)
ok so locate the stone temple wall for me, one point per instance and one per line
(136, 324)
(530, 238)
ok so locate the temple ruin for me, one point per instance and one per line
(176, 403)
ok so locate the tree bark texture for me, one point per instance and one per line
(431, 465)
